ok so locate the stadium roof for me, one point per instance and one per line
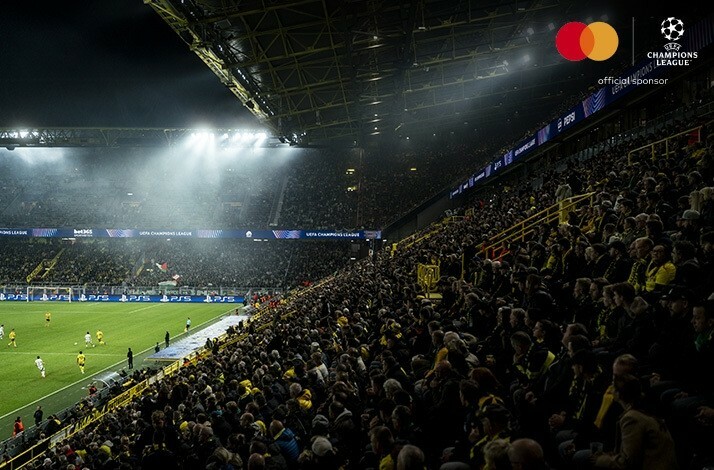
(323, 71)
(312, 72)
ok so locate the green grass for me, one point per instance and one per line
(138, 326)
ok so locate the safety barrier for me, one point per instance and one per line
(415, 238)
(694, 132)
(497, 246)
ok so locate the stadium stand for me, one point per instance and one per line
(245, 198)
(204, 264)
(572, 326)
(360, 368)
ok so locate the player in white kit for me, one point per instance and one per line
(40, 365)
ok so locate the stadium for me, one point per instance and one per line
(310, 234)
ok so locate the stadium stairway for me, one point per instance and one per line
(44, 268)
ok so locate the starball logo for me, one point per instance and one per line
(672, 29)
(576, 41)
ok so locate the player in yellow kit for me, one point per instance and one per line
(80, 361)
(48, 317)
(100, 337)
(12, 337)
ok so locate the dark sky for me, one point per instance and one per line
(100, 63)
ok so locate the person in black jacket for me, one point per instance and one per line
(157, 455)
(605, 423)
(130, 358)
(618, 270)
(688, 273)
(575, 425)
(159, 427)
(38, 415)
(676, 335)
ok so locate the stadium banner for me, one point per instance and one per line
(166, 298)
(136, 233)
(14, 232)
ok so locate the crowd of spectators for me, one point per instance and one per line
(246, 263)
(334, 178)
(206, 263)
(125, 189)
(587, 345)
(396, 185)
(134, 188)
(19, 257)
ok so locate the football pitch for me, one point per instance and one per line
(136, 326)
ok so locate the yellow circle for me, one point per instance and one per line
(605, 43)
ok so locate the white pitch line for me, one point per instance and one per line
(84, 379)
(144, 308)
(57, 353)
(13, 412)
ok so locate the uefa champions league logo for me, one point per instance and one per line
(672, 29)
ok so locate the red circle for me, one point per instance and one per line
(567, 41)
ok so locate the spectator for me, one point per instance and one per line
(644, 440)
(17, 427)
(688, 272)
(285, 439)
(38, 415)
(410, 458)
(526, 454)
(660, 271)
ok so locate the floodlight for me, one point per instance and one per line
(261, 136)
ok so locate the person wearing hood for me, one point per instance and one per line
(302, 395)
(343, 429)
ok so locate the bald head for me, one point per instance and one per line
(256, 462)
(275, 427)
(526, 454)
(410, 458)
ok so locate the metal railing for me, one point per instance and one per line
(651, 146)
(415, 238)
(497, 246)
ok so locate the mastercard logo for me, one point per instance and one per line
(596, 41)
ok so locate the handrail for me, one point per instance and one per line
(407, 239)
(414, 238)
(666, 143)
(528, 225)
